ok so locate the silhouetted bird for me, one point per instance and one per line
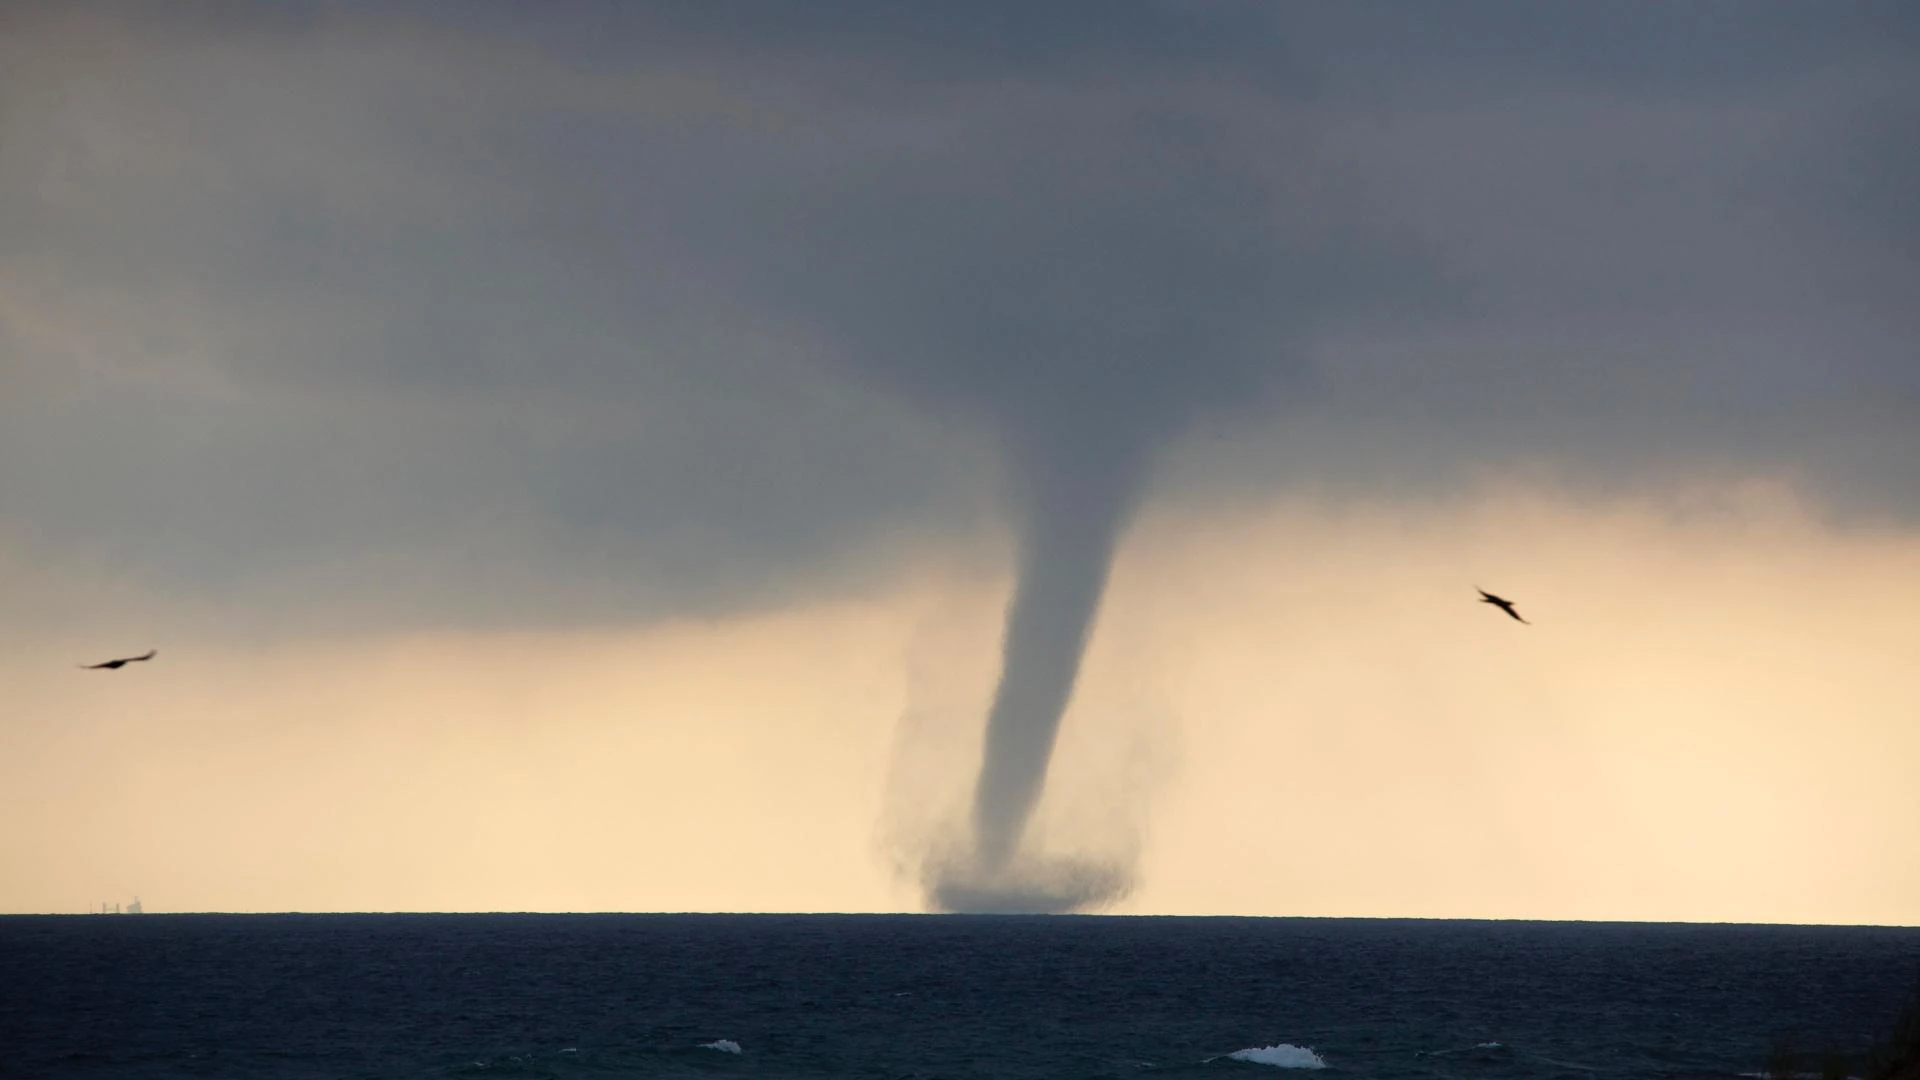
(116, 665)
(1504, 605)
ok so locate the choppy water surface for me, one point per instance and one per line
(927, 997)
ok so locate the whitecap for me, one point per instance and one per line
(1283, 1056)
(725, 1046)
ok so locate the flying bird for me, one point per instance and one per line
(116, 665)
(1504, 605)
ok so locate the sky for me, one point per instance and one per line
(851, 457)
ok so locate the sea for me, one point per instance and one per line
(936, 996)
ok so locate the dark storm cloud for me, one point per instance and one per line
(646, 309)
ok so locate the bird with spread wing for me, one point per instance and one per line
(116, 665)
(1503, 604)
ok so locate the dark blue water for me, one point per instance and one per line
(926, 996)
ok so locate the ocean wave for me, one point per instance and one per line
(1484, 1051)
(1282, 1056)
(725, 1046)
